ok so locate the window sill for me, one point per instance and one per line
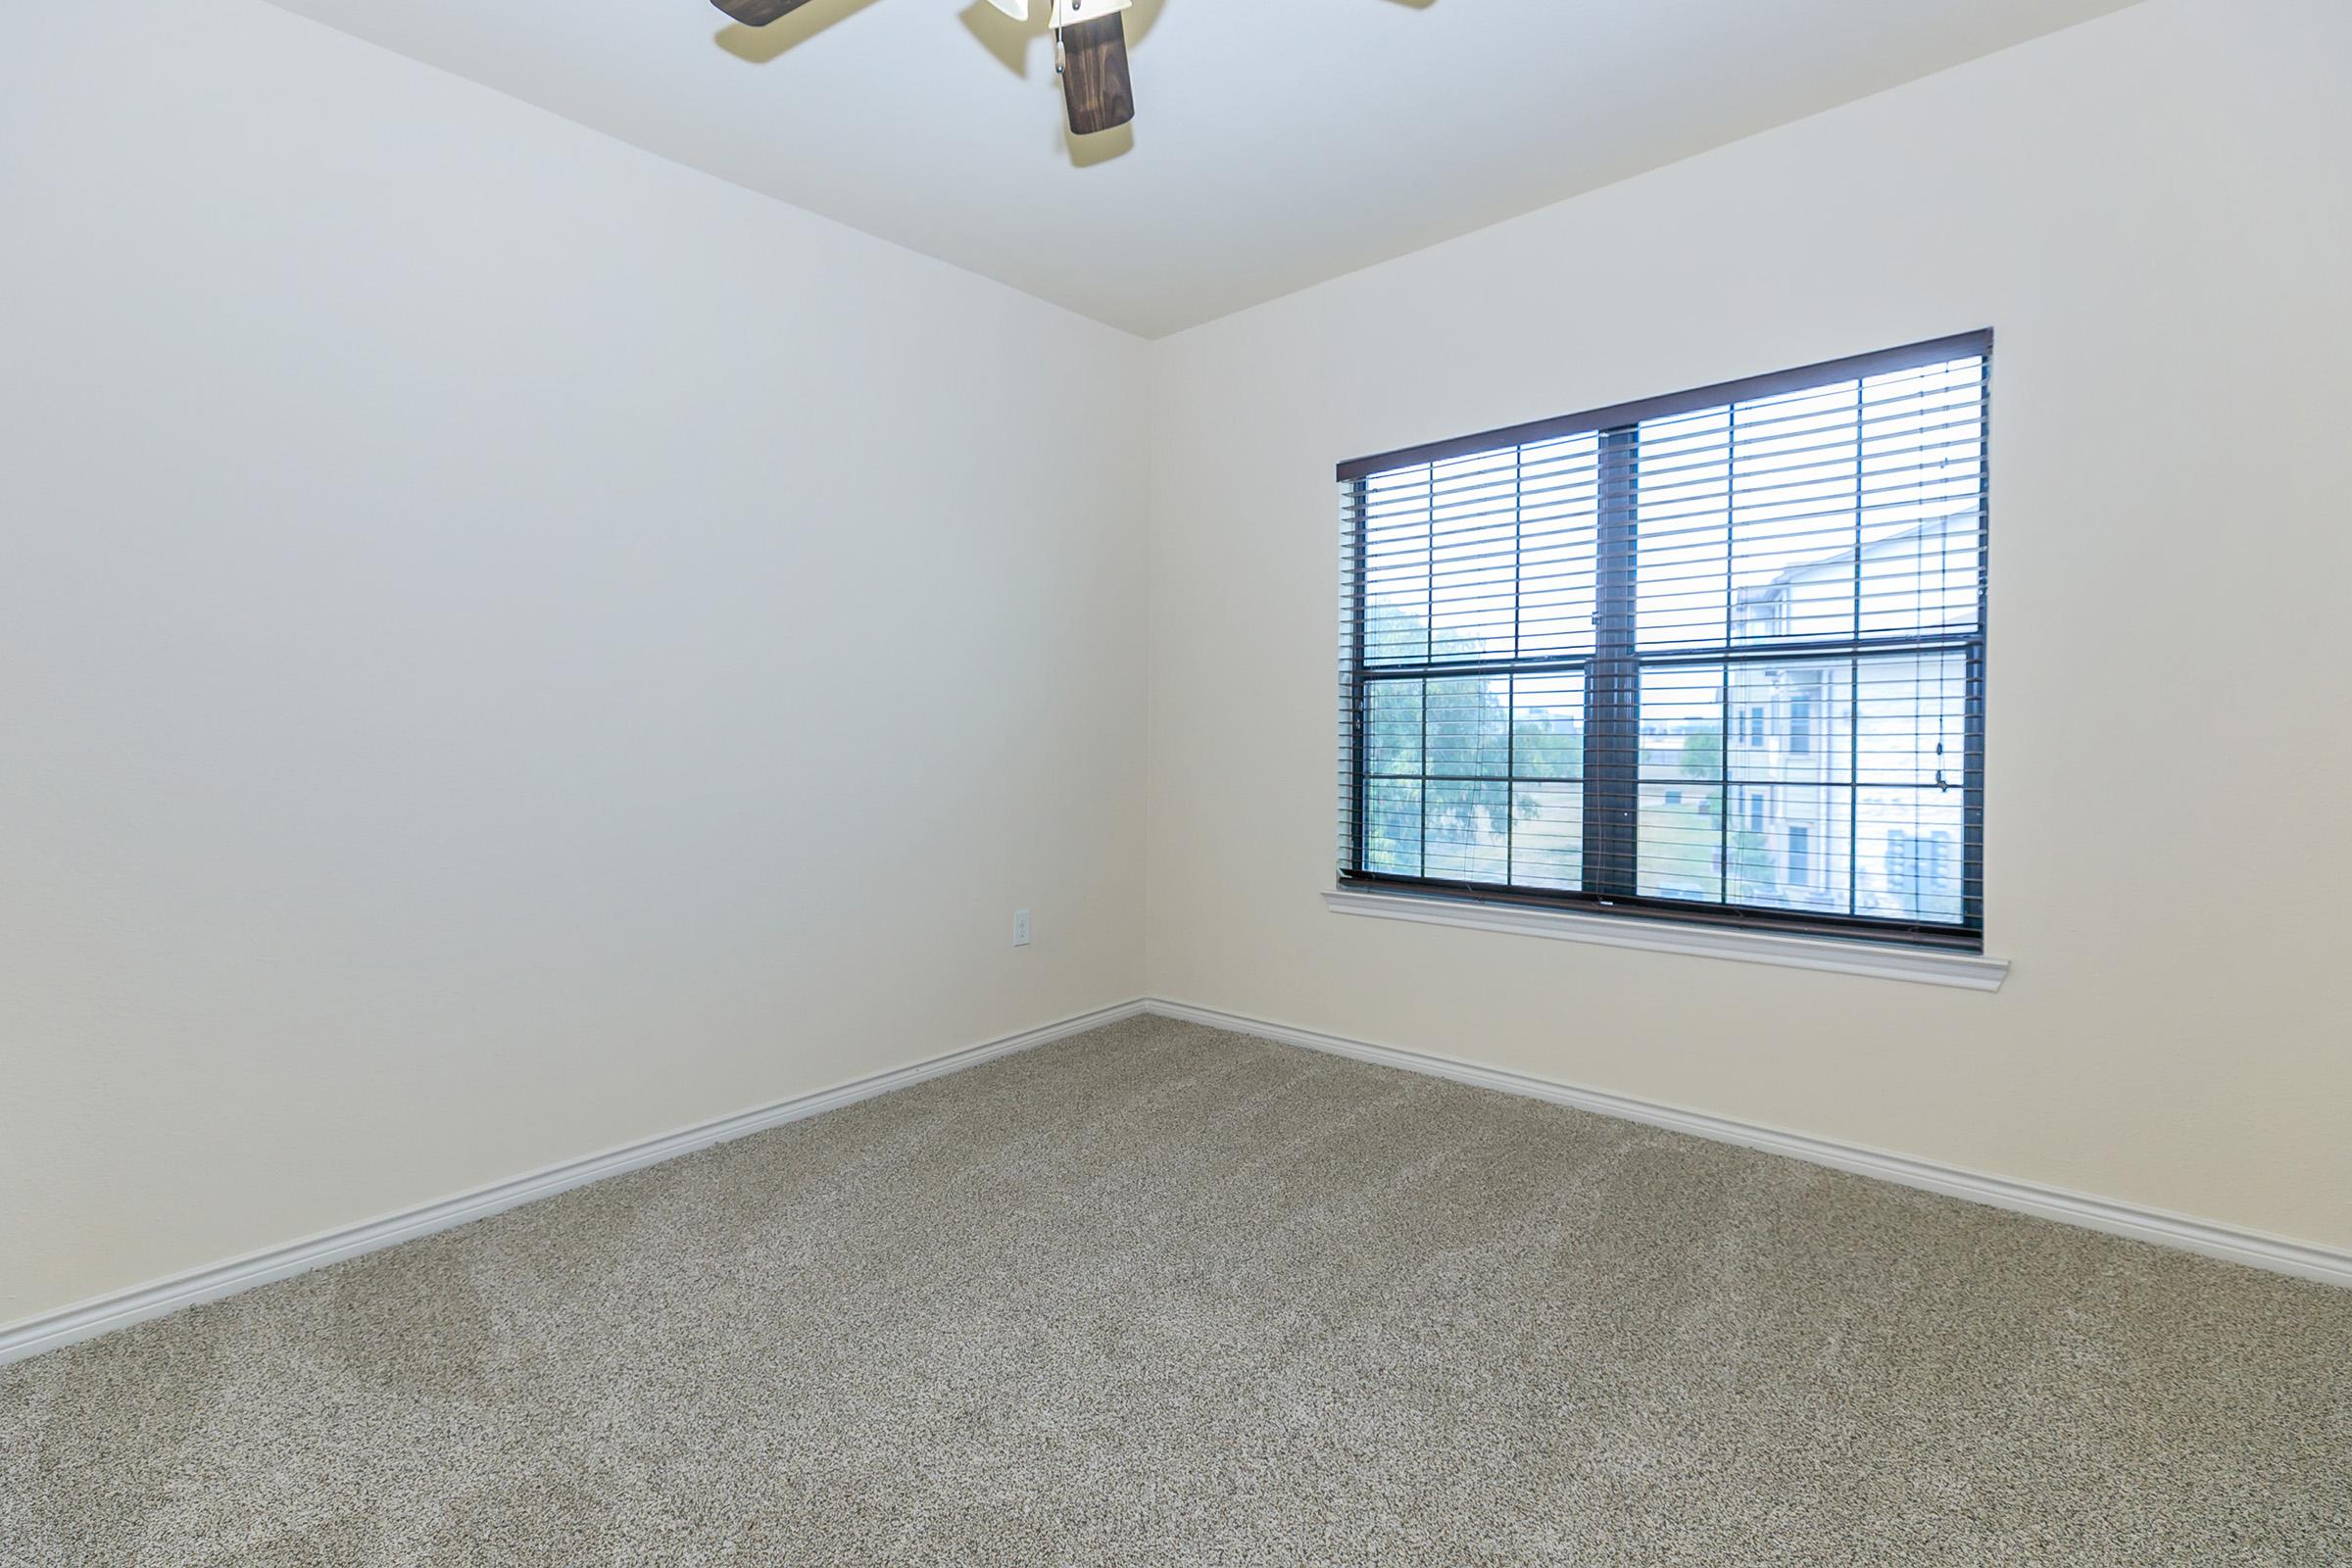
(1920, 965)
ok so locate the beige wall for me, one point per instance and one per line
(507, 647)
(2155, 213)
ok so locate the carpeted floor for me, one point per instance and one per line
(1160, 1295)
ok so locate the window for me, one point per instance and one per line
(1802, 696)
(1713, 656)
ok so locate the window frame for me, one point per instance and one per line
(1614, 671)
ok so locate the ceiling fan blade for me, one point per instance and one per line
(758, 13)
(1094, 75)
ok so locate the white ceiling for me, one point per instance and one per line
(1277, 142)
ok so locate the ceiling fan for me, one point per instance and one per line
(1091, 37)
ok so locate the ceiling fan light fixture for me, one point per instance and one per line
(1090, 44)
(1093, 43)
(1063, 13)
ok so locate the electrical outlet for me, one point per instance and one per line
(1020, 928)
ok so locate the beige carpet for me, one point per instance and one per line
(1160, 1295)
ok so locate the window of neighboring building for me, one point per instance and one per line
(1571, 647)
(1800, 716)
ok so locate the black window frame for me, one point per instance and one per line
(1611, 771)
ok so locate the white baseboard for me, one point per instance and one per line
(2277, 1254)
(106, 1313)
(89, 1319)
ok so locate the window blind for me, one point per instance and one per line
(1717, 655)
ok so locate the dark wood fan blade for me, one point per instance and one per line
(758, 13)
(1094, 75)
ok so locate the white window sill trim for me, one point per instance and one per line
(1921, 965)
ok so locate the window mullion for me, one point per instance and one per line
(1612, 684)
(1359, 660)
(1429, 648)
(1511, 682)
(1723, 689)
(1853, 689)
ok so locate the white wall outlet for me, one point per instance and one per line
(1020, 928)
